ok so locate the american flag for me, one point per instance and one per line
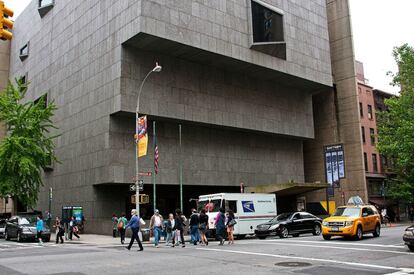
(156, 155)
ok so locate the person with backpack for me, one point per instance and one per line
(194, 223)
(60, 230)
(231, 221)
(220, 225)
(180, 220)
(114, 225)
(170, 229)
(122, 222)
(134, 224)
(73, 228)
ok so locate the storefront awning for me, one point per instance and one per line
(286, 189)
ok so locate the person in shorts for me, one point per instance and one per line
(203, 227)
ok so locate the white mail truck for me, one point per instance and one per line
(250, 209)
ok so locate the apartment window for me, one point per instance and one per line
(366, 162)
(44, 6)
(370, 112)
(23, 79)
(384, 162)
(359, 90)
(372, 136)
(363, 134)
(361, 110)
(268, 32)
(24, 52)
(374, 162)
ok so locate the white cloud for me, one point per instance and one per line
(378, 26)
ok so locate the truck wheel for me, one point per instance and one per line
(261, 237)
(359, 233)
(377, 231)
(326, 237)
(411, 247)
(316, 230)
(284, 232)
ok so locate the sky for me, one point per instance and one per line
(378, 26)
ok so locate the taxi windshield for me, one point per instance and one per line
(347, 212)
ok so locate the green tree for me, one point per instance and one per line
(396, 127)
(28, 146)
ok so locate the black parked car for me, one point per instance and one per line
(23, 227)
(2, 227)
(409, 237)
(290, 224)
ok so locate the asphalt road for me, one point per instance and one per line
(302, 255)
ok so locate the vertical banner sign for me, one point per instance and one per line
(334, 164)
(142, 136)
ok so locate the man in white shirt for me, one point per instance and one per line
(156, 223)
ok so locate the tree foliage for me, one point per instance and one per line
(396, 127)
(28, 146)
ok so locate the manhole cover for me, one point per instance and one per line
(293, 264)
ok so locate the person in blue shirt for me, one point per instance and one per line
(39, 229)
(134, 224)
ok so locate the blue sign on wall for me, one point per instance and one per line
(248, 206)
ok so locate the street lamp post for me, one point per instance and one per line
(156, 69)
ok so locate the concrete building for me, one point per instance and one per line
(238, 76)
(260, 88)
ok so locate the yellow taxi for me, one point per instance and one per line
(352, 221)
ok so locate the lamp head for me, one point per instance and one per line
(157, 68)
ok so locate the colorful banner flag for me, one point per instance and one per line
(156, 156)
(142, 136)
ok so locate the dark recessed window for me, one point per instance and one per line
(363, 134)
(366, 162)
(43, 100)
(23, 79)
(268, 32)
(267, 24)
(372, 136)
(370, 112)
(374, 162)
(361, 111)
(24, 52)
(44, 6)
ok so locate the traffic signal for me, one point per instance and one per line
(5, 23)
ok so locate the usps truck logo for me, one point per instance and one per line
(248, 206)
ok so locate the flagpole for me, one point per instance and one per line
(181, 170)
(153, 167)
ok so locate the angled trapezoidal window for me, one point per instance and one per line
(268, 33)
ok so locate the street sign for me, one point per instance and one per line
(132, 187)
(145, 174)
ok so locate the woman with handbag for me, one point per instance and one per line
(220, 225)
(203, 226)
(60, 230)
(231, 221)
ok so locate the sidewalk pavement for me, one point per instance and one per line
(95, 239)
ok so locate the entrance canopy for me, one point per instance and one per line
(286, 189)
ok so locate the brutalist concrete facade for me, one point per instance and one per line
(337, 115)
(244, 114)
